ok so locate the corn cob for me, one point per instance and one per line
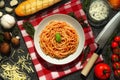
(29, 7)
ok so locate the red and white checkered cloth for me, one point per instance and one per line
(47, 71)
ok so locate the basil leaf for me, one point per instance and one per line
(58, 37)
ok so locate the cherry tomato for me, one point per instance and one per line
(102, 71)
(114, 57)
(117, 73)
(117, 38)
(114, 44)
(119, 56)
(116, 65)
(116, 51)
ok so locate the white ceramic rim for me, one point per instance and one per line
(73, 22)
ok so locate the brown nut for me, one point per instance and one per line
(5, 48)
(15, 41)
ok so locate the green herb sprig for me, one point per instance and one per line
(29, 28)
(85, 4)
(80, 19)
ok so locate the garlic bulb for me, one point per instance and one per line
(7, 21)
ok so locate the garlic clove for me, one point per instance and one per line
(7, 21)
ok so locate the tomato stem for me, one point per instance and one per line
(105, 71)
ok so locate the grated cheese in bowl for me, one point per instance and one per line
(98, 10)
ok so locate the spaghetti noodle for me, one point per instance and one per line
(69, 39)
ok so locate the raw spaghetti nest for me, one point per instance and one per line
(69, 39)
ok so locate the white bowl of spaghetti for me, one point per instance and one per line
(69, 34)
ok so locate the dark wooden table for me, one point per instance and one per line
(76, 75)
